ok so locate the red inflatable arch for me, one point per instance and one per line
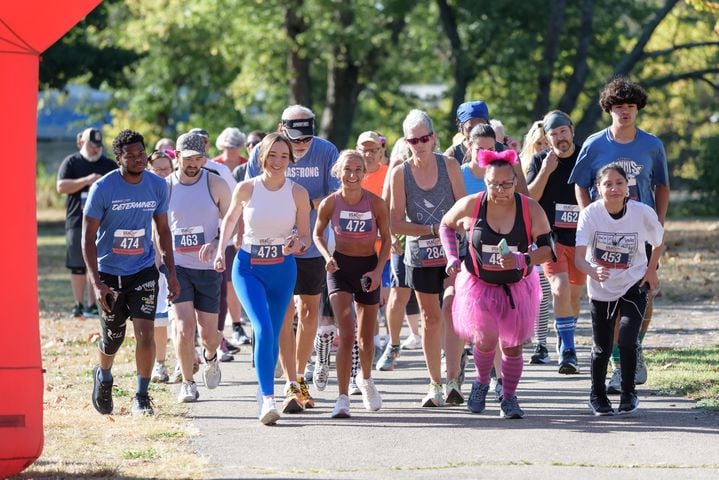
(27, 28)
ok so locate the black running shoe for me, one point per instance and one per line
(101, 393)
(142, 405)
(628, 403)
(569, 365)
(600, 405)
(78, 311)
(541, 355)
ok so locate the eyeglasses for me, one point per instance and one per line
(371, 151)
(423, 139)
(503, 185)
(301, 140)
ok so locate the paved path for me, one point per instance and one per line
(558, 437)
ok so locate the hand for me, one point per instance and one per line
(376, 280)
(453, 268)
(173, 287)
(600, 274)
(102, 291)
(220, 262)
(293, 245)
(331, 265)
(508, 262)
(550, 162)
(651, 278)
(92, 178)
(208, 251)
(383, 294)
(512, 143)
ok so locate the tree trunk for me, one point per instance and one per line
(297, 64)
(551, 49)
(576, 82)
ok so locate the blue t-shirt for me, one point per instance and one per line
(471, 183)
(313, 171)
(125, 211)
(643, 159)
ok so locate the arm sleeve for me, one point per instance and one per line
(654, 229)
(65, 170)
(163, 198)
(94, 206)
(581, 173)
(660, 170)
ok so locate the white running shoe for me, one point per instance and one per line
(342, 407)
(188, 393)
(354, 389)
(320, 376)
(269, 414)
(371, 398)
(212, 375)
(412, 342)
(159, 373)
(434, 397)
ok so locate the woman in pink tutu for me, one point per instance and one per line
(497, 289)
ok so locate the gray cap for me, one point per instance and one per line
(189, 144)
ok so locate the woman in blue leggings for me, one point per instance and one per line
(276, 218)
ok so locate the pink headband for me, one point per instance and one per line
(486, 157)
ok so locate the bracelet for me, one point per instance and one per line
(431, 230)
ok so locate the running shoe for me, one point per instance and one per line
(223, 353)
(628, 403)
(188, 393)
(371, 398)
(160, 373)
(412, 342)
(498, 389)
(600, 405)
(309, 371)
(353, 388)
(101, 393)
(640, 376)
(509, 408)
(477, 397)
(177, 374)
(239, 336)
(211, 375)
(388, 359)
(142, 405)
(294, 400)
(615, 383)
(568, 364)
(269, 414)
(278, 369)
(453, 393)
(78, 311)
(342, 407)
(309, 401)
(540, 356)
(320, 376)
(92, 311)
(434, 397)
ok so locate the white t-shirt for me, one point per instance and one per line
(618, 245)
(224, 172)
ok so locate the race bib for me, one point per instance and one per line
(129, 242)
(633, 188)
(189, 239)
(614, 250)
(565, 215)
(431, 253)
(355, 223)
(268, 252)
(491, 257)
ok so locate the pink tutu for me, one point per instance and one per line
(482, 311)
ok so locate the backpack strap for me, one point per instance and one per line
(527, 225)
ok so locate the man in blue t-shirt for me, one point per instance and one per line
(118, 250)
(314, 158)
(642, 156)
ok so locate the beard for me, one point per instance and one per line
(88, 157)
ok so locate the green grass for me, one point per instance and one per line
(689, 372)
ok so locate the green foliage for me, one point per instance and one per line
(45, 186)
(692, 372)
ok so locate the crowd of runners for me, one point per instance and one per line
(325, 251)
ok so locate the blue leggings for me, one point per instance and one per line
(265, 292)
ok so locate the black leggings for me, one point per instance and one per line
(631, 307)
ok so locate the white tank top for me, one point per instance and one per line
(269, 216)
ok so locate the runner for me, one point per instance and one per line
(611, 235)
(264, 271)
(354, 272)
(120, 257)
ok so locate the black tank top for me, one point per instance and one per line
(484, 242)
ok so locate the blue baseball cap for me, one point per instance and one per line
(470, 110)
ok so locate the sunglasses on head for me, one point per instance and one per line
(423, 139)
(301, 140)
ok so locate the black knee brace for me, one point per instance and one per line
(113, 332)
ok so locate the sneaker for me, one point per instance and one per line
(640, 376)
(101, 393)
(177, 374)
(541, 356)
(239, 337)
(188, 393)
(434, 397)
(412, 342)
(628, 403)
(615, 383)
(371, 398)
(309, 401)
(320, 376)
(223, 353)
(388, 359)
(558, 348)
(269, 414)
(568, 364)
(498, 390)
(309, 371)
(453, 393)
(463, 360)
(212, 375)
(91, 311)
(294, 400)
(509, 408)
(78, 311)
(353, 388)
(142, 405)
(342, 407)
(278, 369)
(477, 397)
(160, 373)
(600, 405)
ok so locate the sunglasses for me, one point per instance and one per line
(423, 139)
(301, 140)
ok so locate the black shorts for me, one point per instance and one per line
(348, 277)
(325, 305)
(311, 276)
(136, 294)
(426, 279)
(73, 258)
(201, 287)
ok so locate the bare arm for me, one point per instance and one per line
(583, 199)
(89, 253)
(540, 226)
(661, 201)
(302, 221)
(324, 213)
(242, 193)
(68, 186)
(539, 183)
(165, 242)
(597, 273)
